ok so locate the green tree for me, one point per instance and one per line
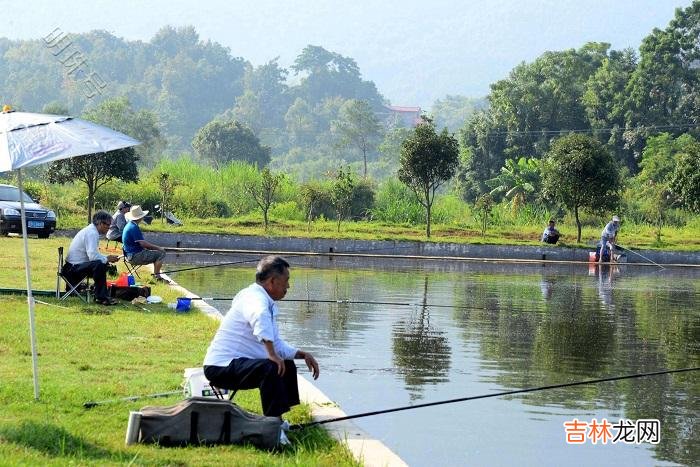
(581, 174)
(483, 207)
(517, 181)
(189, 81)
(604, 101)
(390, 152)
(664, 89)
(545, 96)
(452, 112)
(482, 154)
(166, 186)
(265, 98)
(328, 74)
(660, 158)
(342, 192)
(301, 124)
(221, 141)
(428, 159)
(95, 170)
(685, 181)
(263, 190)
(358, 126)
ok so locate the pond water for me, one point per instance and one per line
(463, 329)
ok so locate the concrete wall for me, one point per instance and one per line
(548, 252)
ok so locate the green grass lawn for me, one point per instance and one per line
(90, 352)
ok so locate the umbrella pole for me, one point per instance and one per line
(30, 298)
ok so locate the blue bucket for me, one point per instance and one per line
(183, 304)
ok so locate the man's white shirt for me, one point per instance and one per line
(84, 246)
(250, 319)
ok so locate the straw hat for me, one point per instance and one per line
(135, 213)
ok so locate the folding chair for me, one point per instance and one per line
(71, 289)
(133, 269)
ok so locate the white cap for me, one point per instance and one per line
(615, 219)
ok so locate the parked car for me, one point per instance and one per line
(40, 221)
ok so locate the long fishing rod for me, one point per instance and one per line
(641, 255)
(210, 266)
(91, 404)
(289, 255)
(498, 394)
(351, 302)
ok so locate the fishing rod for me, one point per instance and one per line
(351, 302)
(91, 404)
(641, 255)
(209, 266)
(498, 394)
(332, 251)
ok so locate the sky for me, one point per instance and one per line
(416, 51)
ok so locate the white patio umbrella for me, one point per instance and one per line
(28, 139)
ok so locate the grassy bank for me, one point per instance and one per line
(90, 352)
(631, 235)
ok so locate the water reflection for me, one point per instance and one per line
(421, 351)
(509, 328)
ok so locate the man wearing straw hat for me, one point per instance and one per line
(136, 248)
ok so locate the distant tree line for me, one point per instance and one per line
(589, 129)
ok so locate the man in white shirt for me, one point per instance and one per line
(247, 350)
(607, 239)
(84, 259)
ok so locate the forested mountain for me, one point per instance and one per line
(320, 114)
(184, 80)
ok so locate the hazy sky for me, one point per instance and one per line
(416, 51)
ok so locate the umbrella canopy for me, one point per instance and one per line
(28, 139)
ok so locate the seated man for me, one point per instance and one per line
(84, 260)
(138, 250)
(550, 234)
(118, 222)
(247, 351)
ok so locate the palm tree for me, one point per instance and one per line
(517, 181)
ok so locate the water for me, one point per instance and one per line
(478, 329)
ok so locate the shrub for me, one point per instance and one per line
(316, 200)
(362, 200)
(396, 203)
(287, 210)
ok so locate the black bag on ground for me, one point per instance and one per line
(130, 292)
(203, 420)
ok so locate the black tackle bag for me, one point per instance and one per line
(203, 420)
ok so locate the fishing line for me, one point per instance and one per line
(641, 255)
(498, 394)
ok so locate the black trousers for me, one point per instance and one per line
(277, 394)
(551, 239)
(75, 273)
